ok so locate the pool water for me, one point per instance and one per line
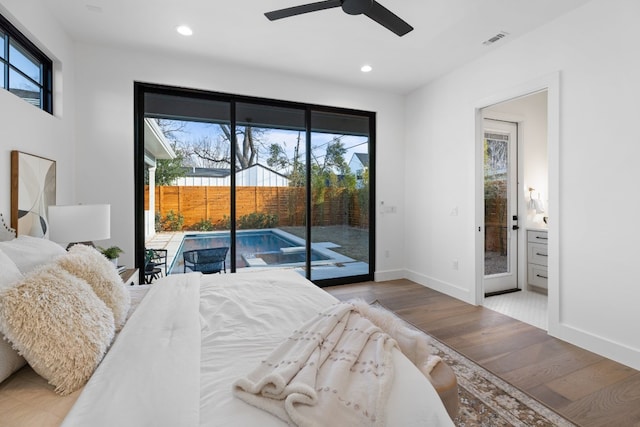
(261, 247)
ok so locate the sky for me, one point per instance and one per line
(25, 64)
(194, 131)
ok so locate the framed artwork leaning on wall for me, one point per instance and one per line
(33, 189)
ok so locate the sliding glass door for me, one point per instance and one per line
(279, 184)
(270, 186)
(340, 194)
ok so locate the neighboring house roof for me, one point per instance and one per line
(363, 157)
(266, 168)
(206, 172)
(254, 176)
(32, 97)
(221, 172)
(155, 143)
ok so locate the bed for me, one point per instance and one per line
(191, 338)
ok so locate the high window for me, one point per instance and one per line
(26, 70)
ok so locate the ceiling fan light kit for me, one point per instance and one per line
(369, 8)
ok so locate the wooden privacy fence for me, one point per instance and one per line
(331, 206)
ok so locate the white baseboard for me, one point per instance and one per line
(446, 288)
(610, 349)
(381, 276)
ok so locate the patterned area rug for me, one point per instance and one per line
(488, 401)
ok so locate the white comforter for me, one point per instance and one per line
(174, 365)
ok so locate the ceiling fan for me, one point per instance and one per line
(370, 8)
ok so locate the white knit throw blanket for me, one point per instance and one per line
(338, 363)
(412, 343)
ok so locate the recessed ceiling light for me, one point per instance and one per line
(366, 68)
(184, 30)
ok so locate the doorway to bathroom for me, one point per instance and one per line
(522, 206)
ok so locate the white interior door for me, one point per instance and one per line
(500, 206)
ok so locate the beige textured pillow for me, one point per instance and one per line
(10, 360)
(90, 265)
(58, 325)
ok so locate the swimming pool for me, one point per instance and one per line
(269, 247)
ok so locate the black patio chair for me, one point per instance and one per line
(159, 258)
(207, 261)
(151, 269)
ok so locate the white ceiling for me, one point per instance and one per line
(329, 44)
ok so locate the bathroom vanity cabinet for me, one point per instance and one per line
(537, 259)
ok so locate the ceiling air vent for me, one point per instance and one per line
(492, 40)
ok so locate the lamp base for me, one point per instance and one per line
(81, 243)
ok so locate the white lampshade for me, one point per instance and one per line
(79, 223)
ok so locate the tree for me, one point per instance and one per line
(331, 168)
(248, 143)
(167, 171)
(328, 169)
(279, 160)
(171, 129)
(209, 154)
(334, 158)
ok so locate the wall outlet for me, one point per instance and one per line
(387, 253)
(454, 264)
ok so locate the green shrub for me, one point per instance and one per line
(204, 225)
(172, 222)
(224, 223)
(158, 222)
(257, 220)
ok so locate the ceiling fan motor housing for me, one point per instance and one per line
(356, 7)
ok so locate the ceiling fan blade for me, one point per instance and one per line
(388, 19)
(305, 8)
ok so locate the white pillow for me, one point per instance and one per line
(9, 273)
(90, 265)
(10, 360)
(29, 252)
(58, 324)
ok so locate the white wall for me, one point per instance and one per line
(105, 128)
(594, 48)
(29, 129)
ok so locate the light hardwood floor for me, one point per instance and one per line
(588, 389)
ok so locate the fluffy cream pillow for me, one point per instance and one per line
(10, 360)
(90, 265)
(29, 252)
(58, 324)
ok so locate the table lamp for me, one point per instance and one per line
(79, 223)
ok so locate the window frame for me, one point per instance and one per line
(12, 35)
